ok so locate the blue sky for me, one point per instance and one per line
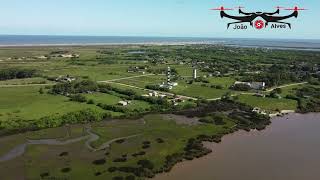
(147, 18)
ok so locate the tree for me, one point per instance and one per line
(278, 90)
(78, 98)
(41, 91)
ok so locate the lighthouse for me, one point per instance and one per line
(169, 76)
(194, 73)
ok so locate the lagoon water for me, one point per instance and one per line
(289, 149)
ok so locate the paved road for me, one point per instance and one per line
(284, 86)
(131, 77)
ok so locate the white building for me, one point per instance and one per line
(253, 85)
(124, 103)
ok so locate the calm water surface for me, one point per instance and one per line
(288, 150)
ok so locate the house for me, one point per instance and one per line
(258, 85)
(65, 79)
(169, 85)
(70, 55)
(259, 111)
(253, 85)
(124, 103)
(153, 94)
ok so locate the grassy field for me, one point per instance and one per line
(269, 104)
(27, 103)
(143, 81)
(225, 82)
(196, 90)
(25, 81)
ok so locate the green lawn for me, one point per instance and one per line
(269, 104)
(104, 98)
(290, 90)
(196, 90)
(27, 103)
(143, 81)
(24, 81)
(96, 73)
(225, 82)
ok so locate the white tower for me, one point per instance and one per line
(194, 73)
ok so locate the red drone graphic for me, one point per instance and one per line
(259, 24)
(266, 16)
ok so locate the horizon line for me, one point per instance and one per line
(158, 36)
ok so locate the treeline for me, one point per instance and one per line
(276, 75)
(156, 88)
(13, 126)
(132, 95)
(67, 88)
(308, 99)
(17, 73)
(240, 113)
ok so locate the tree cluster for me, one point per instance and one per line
(16, 73)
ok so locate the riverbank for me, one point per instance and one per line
(287, 149)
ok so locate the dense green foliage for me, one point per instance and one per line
(277, 75)
(309, 99)
(83, 86)
(82, 116)
(16, 73)
(156, 88)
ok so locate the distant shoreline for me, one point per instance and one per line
(109, 44)
(23, 41)
(159, 44)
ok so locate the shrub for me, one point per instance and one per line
(43, 175)
(117, 178)
(120, 160)
(63, 154)
(146, 143)
(90, 101)
(141, 153)
(97, 173)
(120, 141)
(99, 162)
(112, 169)
(159, 140)
(66, 170)
(41, 91)
(146, 164)
(130, 177)
(78, 98)
(146, 146)
(17, 73)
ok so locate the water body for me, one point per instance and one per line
(27, 40)
(287, 150)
